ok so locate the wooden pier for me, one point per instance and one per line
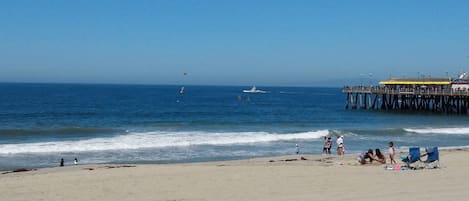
(431, 99)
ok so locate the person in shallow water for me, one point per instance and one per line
(61, 162)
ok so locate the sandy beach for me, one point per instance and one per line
(276, 178)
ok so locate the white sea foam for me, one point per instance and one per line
(140, 140)
(458, 131)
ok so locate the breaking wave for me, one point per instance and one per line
(457, 131)
(157, 139)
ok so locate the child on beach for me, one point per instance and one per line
(392, 152)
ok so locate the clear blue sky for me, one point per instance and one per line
(292, 43)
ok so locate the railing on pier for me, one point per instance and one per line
(405, 91)
(441, 100)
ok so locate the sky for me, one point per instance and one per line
(266, 43)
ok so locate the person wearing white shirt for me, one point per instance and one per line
(340, 140)
(340, 146)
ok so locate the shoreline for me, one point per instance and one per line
(263, 179)
(349, 159)
(353, 155)
(251, 161)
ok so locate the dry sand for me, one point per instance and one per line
(255, 179)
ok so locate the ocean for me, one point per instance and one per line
(97, 123)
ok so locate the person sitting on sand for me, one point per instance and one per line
(379, 157)
(364, 156)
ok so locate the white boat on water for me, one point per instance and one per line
(253, 90)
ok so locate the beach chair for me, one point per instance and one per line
(413, 159)
(433, 157)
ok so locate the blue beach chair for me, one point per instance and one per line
(412, 158)
(433, 157)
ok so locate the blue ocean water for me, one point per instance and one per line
(41, 123)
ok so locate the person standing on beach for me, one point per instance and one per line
(340, 146)
(324, 148)
(341, 150)
(392, 151)
(329, 145)
(75, 161)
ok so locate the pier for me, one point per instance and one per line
(439, 95)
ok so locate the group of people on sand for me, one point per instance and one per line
(328, 145)
(369, 157)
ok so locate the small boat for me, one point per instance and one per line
(253, 90)
(181, 91)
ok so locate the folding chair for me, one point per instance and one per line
(433, 157)
(413, 158)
